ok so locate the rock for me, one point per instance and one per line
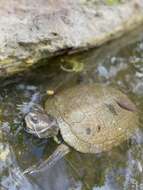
(32, 30)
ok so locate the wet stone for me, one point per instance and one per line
(31, 31)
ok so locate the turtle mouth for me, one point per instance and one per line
(30, 126)
(33, 128)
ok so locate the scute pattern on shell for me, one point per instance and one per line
(90, 118)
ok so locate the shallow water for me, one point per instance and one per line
(118, 63)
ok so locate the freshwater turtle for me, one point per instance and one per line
(91, 118)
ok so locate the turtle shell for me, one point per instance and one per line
(93, 118)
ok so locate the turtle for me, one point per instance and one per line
(91, 118)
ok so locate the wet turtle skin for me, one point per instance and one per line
(93, 118)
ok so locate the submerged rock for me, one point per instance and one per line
(12, 176)
(32, 30)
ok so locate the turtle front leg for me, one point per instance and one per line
(60, 151)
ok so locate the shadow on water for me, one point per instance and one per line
(119, 63)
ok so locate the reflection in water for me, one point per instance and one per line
(56, 178)
(134, 170)
(11, 175)
(118, 63)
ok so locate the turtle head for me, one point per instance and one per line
(41, 124)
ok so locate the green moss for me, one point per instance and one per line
(112, 2)
(72, 65)
(5, 61)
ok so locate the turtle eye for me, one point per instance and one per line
(34, 118)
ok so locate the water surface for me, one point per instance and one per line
(118, 63)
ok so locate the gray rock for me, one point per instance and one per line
(31, 30)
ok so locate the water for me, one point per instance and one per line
(119, 63)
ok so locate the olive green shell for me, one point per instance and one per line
(92, 118)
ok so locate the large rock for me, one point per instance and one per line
(31, 30)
